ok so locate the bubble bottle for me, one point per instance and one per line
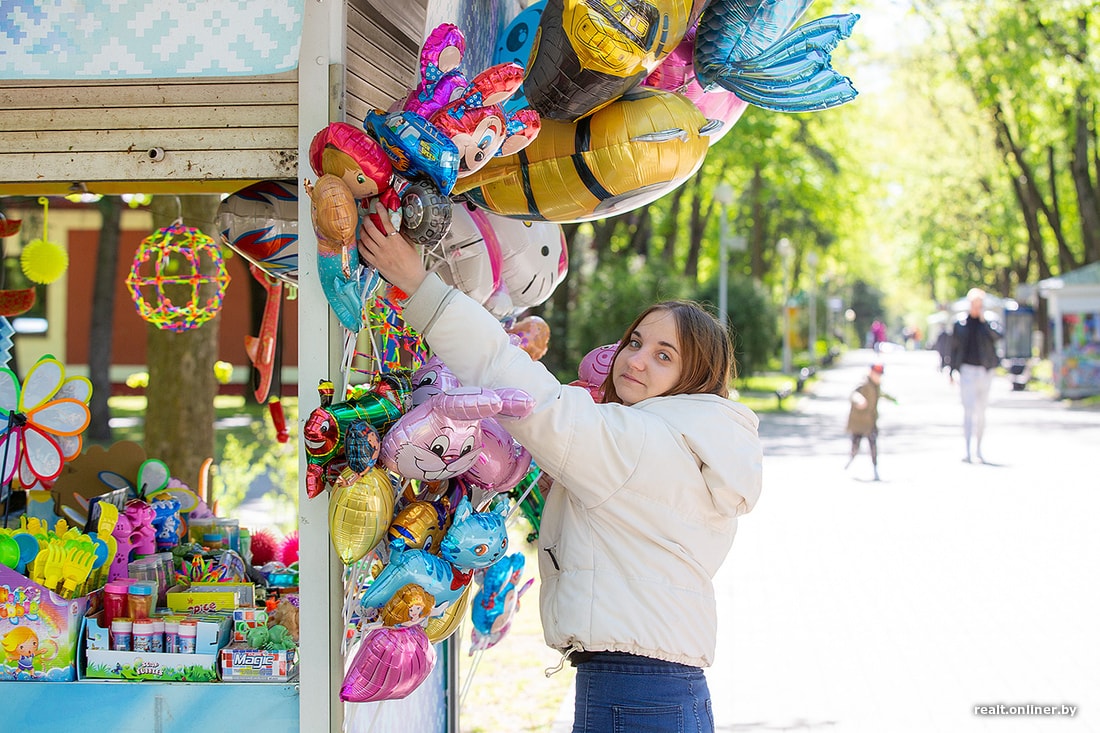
(143, 635)
(188, 631)
(121, 631)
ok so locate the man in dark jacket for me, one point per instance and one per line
(974, 357)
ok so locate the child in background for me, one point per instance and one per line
(863, 416)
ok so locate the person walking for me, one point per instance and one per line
(863, 415)
(974, 357)
(649, 485)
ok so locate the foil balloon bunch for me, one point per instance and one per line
(416, 585)
(632, 97)
(468, 111)
(424, 430)
(506, 264)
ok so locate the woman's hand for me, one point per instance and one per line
(394, 256)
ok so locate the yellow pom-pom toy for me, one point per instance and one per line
(43, 262)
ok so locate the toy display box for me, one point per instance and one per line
(214, 632)
(210, 597)
(39, 630)
(245, 619)
(242, 664)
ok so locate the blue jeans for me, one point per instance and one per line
(624, 693)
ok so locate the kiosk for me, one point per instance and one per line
(166, 98)
(1074, 306)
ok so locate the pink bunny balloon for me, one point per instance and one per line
(503, 461)
(442, 437)
(431, 379)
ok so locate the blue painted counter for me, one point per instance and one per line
(144, 707)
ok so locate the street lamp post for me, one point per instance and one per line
(811, 262)
(723, 194)
(783, 247)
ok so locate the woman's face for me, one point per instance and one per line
(650, 363)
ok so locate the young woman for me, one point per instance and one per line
(648, 488)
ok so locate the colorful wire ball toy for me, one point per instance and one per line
(178, 278)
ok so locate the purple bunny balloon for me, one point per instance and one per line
(444, 436)
(503, 461)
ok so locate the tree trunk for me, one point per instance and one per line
(759, 223)
(1088, 203)
(179, 421)
(101, 329)
(697, 227)
(670, 231)
(641, 233)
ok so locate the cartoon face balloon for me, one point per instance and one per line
(442, 437)
(534, 259)
(471, 254)
(589, 52)
(431, 379)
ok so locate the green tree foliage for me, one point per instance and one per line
(753, 321)
(1009, 91)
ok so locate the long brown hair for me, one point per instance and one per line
(707, 353)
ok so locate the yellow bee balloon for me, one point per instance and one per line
(627, 154)
(359, 512)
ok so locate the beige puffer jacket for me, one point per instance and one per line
(646, 499)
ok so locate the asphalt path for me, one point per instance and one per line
(928, 599)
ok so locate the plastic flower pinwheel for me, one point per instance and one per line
(41, 421)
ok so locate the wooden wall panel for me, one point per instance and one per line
(217, 134)
(383, 51)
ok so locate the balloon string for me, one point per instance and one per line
(45, 217)
(519, 501)
(469, 678)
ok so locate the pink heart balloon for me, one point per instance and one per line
(390, 664)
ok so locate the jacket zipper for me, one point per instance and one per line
(550, 552)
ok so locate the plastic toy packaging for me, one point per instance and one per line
(114, 601)
(171, 635)
(158, 642)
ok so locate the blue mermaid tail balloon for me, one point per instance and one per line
(747, 47)
(345, 282)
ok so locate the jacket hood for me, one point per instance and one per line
(731, 464)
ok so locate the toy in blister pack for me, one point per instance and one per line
(38, 631)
